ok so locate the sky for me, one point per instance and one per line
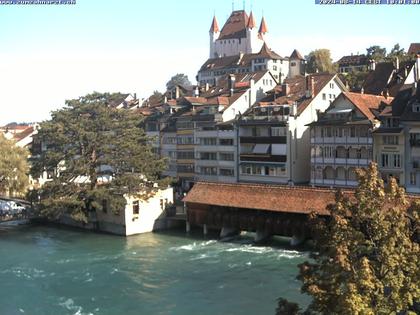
(52, 53)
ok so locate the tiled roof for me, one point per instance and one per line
(264, 197)
(263, 27)
(297, 90)
(296, 55)
(414, 48)
(385, 78)
(251, 21)
(214, 28)
(353, 60)
(266, 52)
(235, 26)
(366, 103)
(21, 135)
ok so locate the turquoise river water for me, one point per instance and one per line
(47, 270)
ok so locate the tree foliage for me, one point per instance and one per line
(376, 53)
(320, 60)
(97, 154)
(178, 79)
(355, 79)
(13, 168)
(366, 259)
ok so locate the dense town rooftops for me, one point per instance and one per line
(300, 90)
(241, 60)
(386, 78)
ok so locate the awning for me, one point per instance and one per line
(278, 149)
(261, 148)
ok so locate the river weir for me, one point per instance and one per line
(49, 270)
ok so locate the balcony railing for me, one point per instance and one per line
(415, 142)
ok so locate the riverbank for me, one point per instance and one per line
(50, 270)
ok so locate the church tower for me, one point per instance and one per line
(214, 35)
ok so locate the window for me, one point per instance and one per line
(278, 131)
(104, 206)
(329, 152)
(396, 158)
(416, 108)
(136, 207)
(227, 172)
(227, 142)
(185, 155)
(169, 140)
(293, 64)
(324, 96)
(390, 140)
(208, 141)
(227, 157)
(208, 156)
(384, 160)
(413, 178)
(274, 68)
(331, 85)
(185, 140)
(390, 160)
(208, 171)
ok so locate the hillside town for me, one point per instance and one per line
(257, 118)
(274, 183)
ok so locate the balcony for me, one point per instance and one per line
(267, 140)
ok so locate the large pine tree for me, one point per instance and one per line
(97, 154)
(367, 254)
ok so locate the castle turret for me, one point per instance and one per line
(253, 44)
(263, 29)
(214, 35)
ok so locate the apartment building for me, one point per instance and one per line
(341, 138)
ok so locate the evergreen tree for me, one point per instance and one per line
(97, 154)
(366, 259)
(13, 168)
(178, 79)
(376, 53)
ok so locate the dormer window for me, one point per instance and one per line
(416, 108)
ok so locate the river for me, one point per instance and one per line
(55, 271)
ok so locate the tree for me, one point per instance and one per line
(355, 80)
(155, 98)
(320, 60)
(376, 53)
(178, 79)
(366, 259)
(13, 168)
(398, 52)
(97, 154)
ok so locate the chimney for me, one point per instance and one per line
(207, 87)
(232, 80)
(135, 96)
(362, 91)
(372, 65)
(165, 99)
(285, 89)
(196, 92)
(417, 69)
(397, 63)
(310, 86)
(176, 92)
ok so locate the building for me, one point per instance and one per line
(353, 63)
(274, 141)
(414, 49)
(341, 138)
(240, 48)
(397, 140)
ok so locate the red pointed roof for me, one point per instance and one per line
(214, 26)
(263, 27)
(251, 21)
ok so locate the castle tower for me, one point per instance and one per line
(297, 64)
(263, 30)
(214, 35)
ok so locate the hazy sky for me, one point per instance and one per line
(52, 53)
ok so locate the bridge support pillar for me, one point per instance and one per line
(228, 232)
(205, 230)
(297, 240)
(187, 227)
(262, 235)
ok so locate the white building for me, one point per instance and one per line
(341, 138)
(274, 140)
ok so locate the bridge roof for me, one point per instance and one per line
(302, 200)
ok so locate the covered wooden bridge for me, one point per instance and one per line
(264, 209)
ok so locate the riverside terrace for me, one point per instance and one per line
(15, 210)
(264, 209)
